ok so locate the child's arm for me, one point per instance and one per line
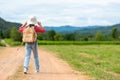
(22, 27)
(39, 28)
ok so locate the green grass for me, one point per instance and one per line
(101, 62)
(78, 42)
(16, 43)
(2, 44)
(12, 43)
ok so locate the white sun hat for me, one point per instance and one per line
(32, 20)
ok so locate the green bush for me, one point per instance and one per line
(12, 43)
(16, 43)
(2, 44)
(15, 35)
(77, 42)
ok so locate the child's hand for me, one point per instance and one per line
(39, 23)
(24, 25)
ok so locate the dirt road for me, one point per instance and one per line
(51, 67)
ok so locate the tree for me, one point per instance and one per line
(1, 34)
(41, 36)
(99, 36)
(58, 37)
(71, 36)
(15, 35)
(50, 35)
(76, 36)
(85, 39)
(6, 34)
(115, 33)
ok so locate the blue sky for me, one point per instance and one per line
(62, 12)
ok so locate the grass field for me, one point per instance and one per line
(101, 62)
(1, 43)
(78, 42)
(12, 43)
(40, 42)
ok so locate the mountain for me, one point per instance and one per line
(7, 25)
(64, 29)
(87, 29)
(103, 29)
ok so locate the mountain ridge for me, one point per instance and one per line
(4, 25)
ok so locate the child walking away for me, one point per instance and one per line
(30, 29)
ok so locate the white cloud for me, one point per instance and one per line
(61, 12)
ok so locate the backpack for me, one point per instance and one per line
(29, 35)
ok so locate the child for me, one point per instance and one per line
(32, 46)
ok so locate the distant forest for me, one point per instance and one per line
(64, 33)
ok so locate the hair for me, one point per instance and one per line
(30, 25)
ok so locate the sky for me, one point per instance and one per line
(62, 12)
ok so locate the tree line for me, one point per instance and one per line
(51, 35)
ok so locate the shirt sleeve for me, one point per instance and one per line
(39, 29)
(21, 29)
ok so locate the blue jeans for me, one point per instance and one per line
(28, 48)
